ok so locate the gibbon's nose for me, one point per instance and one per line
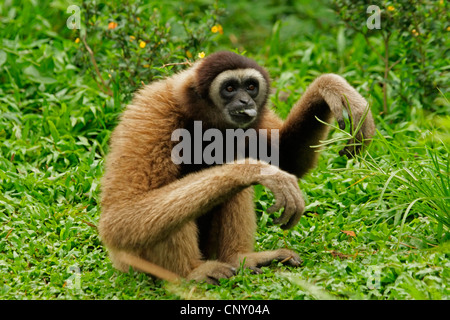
(244, 101)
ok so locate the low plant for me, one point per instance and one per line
(411, 41)
(123, 45)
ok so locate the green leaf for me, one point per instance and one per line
(341, 41)
(35, 76)
(2, 57)
(53, 131)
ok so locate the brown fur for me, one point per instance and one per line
(199, 222)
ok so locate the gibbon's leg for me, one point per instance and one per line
(160, 219)
(178, 253)
(327, 96)
(236, 222)
(237, 227)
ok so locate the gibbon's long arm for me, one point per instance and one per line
(160, 211)
(326, 97)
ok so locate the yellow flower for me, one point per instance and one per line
(414, 32)
(448, 28)
(217, 28)
(390, 8)
(201, 55)
(142, 44)
(146, 66)
(112, 25)
(77, 40)
(188, 54)
(132, 38)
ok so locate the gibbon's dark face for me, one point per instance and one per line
(240, 94)
(236, 85)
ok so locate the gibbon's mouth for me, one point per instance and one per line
(245, 113)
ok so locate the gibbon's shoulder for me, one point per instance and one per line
(156, 98)
(158, 103)
(153, 113)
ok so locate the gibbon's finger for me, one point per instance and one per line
(295, 261)
(275, 207)
(212, 280)
(255, 270)
(224, 272)
(219, 273)
(297, 203)
(345, 152)
(280, 202)
(355, 145)
(338, 113)
(334, 102)
(291, 194)
(351, 149)
(295, 218)
(292, 221)
(292, 258)
(289, 210)
(277, 220)
(341, 124)
(287, 256)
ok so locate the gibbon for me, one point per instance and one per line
(194, 218)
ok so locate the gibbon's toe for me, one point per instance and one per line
(211, 272)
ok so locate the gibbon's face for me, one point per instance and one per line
(240, 95)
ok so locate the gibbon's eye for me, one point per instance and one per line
(251, 87)
(229, 88)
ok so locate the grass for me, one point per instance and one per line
(376, 227)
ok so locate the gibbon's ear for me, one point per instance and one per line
(216, 63)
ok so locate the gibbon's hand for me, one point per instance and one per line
(286, 191)
(340, 95)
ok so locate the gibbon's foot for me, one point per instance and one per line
(254, 260)
(211, 271)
